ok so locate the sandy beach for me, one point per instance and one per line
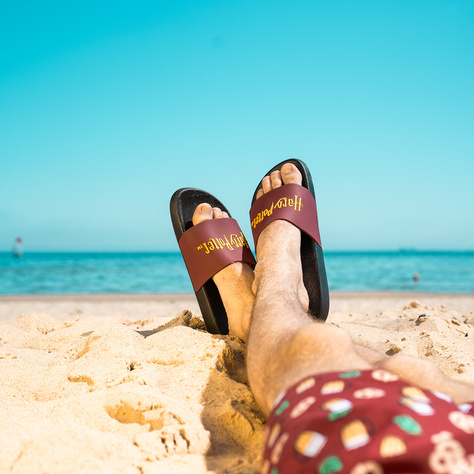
(134, 383)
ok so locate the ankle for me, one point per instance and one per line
(277, 278)
(235, 287)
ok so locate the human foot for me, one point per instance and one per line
(234, 282)
(278, 246)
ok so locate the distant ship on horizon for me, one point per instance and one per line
(17, 249)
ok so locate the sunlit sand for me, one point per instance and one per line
(133, 383)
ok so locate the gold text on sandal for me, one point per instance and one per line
(296, 204)
(216, 243)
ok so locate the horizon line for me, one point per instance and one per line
(388, 250)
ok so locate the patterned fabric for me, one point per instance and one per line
(367, 422)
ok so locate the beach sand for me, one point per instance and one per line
(134, 383)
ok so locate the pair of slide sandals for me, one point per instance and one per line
(213, 244)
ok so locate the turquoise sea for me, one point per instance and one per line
(79, 273)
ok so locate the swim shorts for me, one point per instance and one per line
(367, 422)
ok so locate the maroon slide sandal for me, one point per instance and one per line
(297, 204)
(207, 248)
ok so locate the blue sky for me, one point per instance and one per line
(106, 108)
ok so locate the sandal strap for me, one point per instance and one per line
(292, 203)
(210, 246)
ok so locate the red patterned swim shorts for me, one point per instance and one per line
(367, 422)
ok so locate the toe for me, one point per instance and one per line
(260, 193)
(275, 178)
(203, 212)
(266, 184)
(218, 213)
(290, 174)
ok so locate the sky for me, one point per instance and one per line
(108, 107)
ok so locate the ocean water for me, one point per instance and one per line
(80, 273)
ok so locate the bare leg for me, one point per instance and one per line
(419, 372)
(426, 375)
(285, 344)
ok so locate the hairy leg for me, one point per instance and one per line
(419, 372)
(426, 375)
(285, 344)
